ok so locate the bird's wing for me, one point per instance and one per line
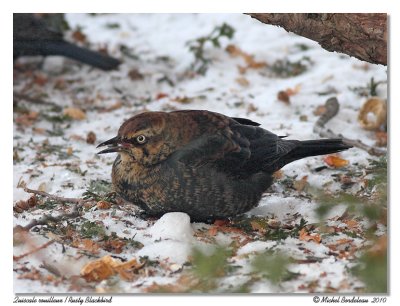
(238, 147)
(266, 148)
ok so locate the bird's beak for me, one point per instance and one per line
(113, 146)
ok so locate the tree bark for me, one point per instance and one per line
(363, 36)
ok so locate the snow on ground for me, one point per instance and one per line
(52, 154)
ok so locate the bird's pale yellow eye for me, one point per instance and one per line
(141, 139)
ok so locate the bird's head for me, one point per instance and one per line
(143, 138)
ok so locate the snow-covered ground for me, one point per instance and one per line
(52, 154)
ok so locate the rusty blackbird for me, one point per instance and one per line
(203, 163)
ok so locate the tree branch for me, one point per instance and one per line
(363, 36)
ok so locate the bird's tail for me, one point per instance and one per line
(312, 148)
(83, 55)
(318, 147)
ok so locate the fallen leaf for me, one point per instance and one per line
(213, 231)
(103, 205)
(135, 74)
(221, 222)
(243, 81)
(74, 113)
(107, 266)
(98, 270)
(183, 100)
(69, 151)
(351, 223)
(76, 137)
(278, 174)
(320, 110)
(40, 79)
(251, 108)
(91, 138)
(235, 51)
(283, 96)
(304, 236)
(27, 119)
(293, 91)
(258, 226)
(114, 245)
(42, 187)
(380, 247)
(40, 131)
(79, 36)
(161, 95)
(335, 161)
(381, 139)
(22, 205)
(273, 223)
(301, 184)
(113, 107)
(373, 114)
(60, 84)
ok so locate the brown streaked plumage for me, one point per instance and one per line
(202, 163)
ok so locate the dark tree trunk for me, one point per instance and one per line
(363, 36)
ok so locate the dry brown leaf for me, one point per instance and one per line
(91, 138)
(40, 79)
(273, 223)
(293, 91)
(381, 139)
(278, 174)
(284, 97)
(86, 245)
(183, 100)
(373, 114)
(114, 245)
(69, 151)
(304, 236)
(351, 223)
(98, 270)
(22, 205)
(235, 51)
(107, 266)
(103, 205)
(221, 222)
(213, 231)
(74, 113)
(257, 226)
(380, 247)
(335, 161)
(251, 108)
(135, 74)
(127, 269)
(301, 184)
(113, 107)
(161, 95)
(243, 81)
(27, 119)
(76, 137)
(320, 110)
(79, 36)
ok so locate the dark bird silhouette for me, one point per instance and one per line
(33, 36)
(205, 164)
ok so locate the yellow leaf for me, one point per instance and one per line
(335, 161)
(75, 113)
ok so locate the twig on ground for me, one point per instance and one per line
(43, 246)
(48, 218)
(56, 198)
(18, 96)
(332, 108)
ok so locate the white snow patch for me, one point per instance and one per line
(175, 226)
